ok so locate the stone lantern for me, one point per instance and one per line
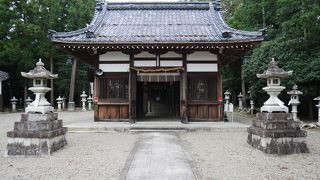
(294, 102)
(39, 132)
(39, 75)
(59, 102)
(28, 101)
(273, 75)
(63, 103)
(240, 98)
(227, 96)
(83, 100)
(318, 106)
(274, 130)
(14, 101)
(89, 103)
(251, 106)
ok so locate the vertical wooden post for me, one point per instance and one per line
(71, 104)
(130, 97)
(219, 86)
(1, 99)
(132, 92)
(183, 91)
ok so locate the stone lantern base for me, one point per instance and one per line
(39, 109)
(36, 135)
(277, 133)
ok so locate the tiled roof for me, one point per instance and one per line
(157, 23)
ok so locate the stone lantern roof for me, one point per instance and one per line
(274, 71)
(39, 72)
(294, 91)
(3, 75)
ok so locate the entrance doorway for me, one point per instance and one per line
(158, 100)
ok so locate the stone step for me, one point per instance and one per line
(38, 125)
(277, 133)
(274, 116)
(36, 134)
(278, 124)
(39, 117)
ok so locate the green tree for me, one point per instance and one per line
(23, 35)
(293, 39)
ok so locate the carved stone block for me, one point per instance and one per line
(277, 133)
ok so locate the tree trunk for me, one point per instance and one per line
(72, 81)
(264, 21)
(310, 108)
(25, 89)
(243, 87)
(51, 82)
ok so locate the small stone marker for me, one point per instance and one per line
(251, 106)
(28, 101)
(240, 99)
(227, 96)
(83, 100)
(228, 107)
(39, 132)
(14, 101)
(59, 102)
(63, 103)
(274, 131)
(294, 102)
(89, 103)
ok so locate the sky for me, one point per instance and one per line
(142, 0)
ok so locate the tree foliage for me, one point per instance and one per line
(24, 28)
(293, 39)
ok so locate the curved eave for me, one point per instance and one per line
(94, 25)
(258, 40)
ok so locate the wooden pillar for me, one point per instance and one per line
(183, 91)
(96, 91)
(71, 104)
(132, 92)
(219, 86)
(1, 99)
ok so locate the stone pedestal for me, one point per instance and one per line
(277, 133)
(71, 106)
(36, 135)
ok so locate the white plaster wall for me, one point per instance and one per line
(145, 63)
(170, 63)
(202, 67)
(114, 67)
(202, 56)
(144, 54)
(171, 54)
(114, 56)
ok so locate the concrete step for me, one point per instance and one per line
(155, 126)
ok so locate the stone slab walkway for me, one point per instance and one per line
(158, 156)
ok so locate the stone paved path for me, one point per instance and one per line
(158, 156)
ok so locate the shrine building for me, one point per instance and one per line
(157, 60)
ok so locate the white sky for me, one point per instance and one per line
(142, 0)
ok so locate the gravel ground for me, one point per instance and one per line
(87, 155)
(226, 155)
(219, 155)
